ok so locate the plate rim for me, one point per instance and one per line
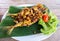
(35, 35)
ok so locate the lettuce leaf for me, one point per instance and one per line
(50, 26)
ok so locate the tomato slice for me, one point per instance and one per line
(45, 18)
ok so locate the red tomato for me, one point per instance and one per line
(45, 18)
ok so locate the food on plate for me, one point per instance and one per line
(28, 16)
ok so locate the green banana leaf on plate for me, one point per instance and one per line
(38, 27)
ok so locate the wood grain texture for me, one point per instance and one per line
(54, 5)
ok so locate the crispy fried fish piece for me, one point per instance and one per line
(26, 17)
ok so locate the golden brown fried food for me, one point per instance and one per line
(28, 16)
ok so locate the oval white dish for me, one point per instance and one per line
(35, 37)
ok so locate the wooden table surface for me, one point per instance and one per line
(54, 5)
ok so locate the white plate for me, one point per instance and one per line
(35, 37)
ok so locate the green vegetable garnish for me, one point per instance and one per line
(50, 26)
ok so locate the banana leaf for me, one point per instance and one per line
(19, 31)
